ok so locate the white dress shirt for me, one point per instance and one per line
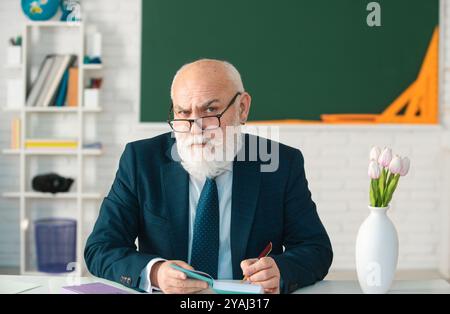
(224, 184)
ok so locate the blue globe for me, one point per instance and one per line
(40, 10)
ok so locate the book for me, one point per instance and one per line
(39, 82)
(48, 81)
(72, 89)
(55, 80)
(222, 286)
(93, 288)
(94, 145)
(60, 99)
(42, 143)
(15, 133)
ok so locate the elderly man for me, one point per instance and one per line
(196, 198)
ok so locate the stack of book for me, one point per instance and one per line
(15, 133)
(56, 83)
(50, 144)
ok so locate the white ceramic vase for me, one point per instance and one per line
(376, 252)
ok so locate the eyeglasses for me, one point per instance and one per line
(206, 123)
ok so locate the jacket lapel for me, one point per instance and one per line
(175, 183)
(245, 191)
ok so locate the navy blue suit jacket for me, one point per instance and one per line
(148, 200)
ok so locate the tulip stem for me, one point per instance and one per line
(374, 193)
(389, 178)
(382, 183)
(390, 189)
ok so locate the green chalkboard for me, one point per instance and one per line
(298, 58)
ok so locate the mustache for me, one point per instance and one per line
(196, 139)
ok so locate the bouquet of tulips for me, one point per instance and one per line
(385, 172)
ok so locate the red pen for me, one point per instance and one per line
(264, 253)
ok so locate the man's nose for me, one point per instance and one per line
(197, 127)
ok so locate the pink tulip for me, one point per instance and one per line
(405, 166)
(385, 157)
(375, 153)
(395, 166)
(374, 170)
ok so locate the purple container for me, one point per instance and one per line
(55, 244)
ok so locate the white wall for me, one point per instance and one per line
(335, 156)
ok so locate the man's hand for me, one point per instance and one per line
(263, 272)
(170, 280)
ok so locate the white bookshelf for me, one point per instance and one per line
(28, 194)
(54, 24)
(92, 66)
(78, 115)
(53, 152)
(53, 109)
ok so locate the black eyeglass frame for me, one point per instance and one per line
(191, 121)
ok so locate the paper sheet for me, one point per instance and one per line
(8, 286)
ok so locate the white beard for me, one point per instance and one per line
(214, 158)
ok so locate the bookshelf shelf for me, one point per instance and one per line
(92, 66)
(54, 109)
(41, 195)
(29, 118)
(84, 152)
(53, 24)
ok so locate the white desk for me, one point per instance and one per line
(53, 284)
(435, 286)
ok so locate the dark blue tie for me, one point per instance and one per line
(205, 241)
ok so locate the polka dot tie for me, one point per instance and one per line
(205, 242)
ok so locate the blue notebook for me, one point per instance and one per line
(61, 96)
(222, 286)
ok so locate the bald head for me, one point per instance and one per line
(206, 74)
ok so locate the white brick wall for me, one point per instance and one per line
(335, 156)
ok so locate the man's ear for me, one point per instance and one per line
(244, 107)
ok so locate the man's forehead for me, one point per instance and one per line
(199, 96)
(201, 88)
(206, 85)
(203, 104)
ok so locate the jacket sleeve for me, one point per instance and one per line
(308, 253)
(110, 250)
